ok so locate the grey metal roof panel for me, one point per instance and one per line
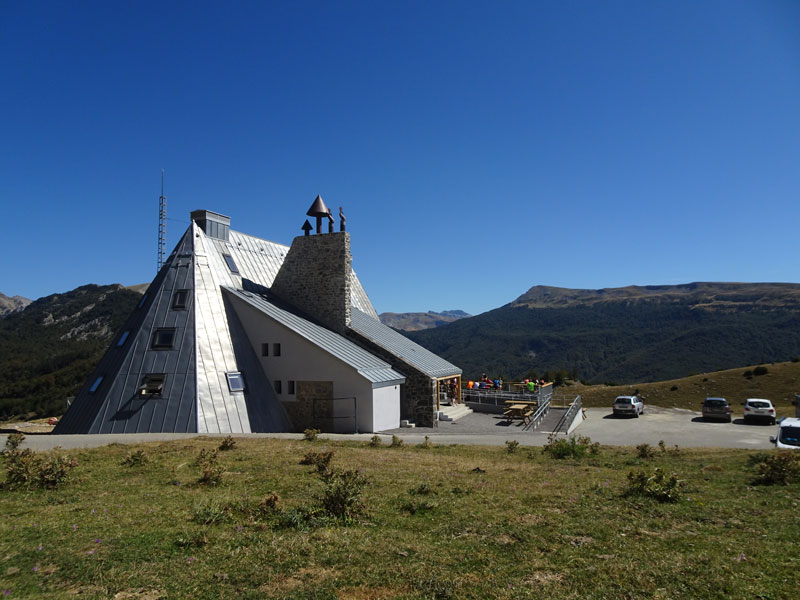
(369, 366)
(400, 346)
(259, 261)
(116, 406)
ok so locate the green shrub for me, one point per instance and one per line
(426, 443)
(54, 471)
(760, 370)
(748, 374)
(659, 485)
(270, 504)
(417, 505)
(22, 468)
(674, 451)
(341, 498)
(310, 435)
(210, 469)
(571, 447)
(674, 388)
(511, 446)
(320, 460)
(228, 443)
(423, 489)
(25, 469)
(779, 468)
(375, 441)
(13, 441)
(396, 442)
(135, 458)
(645, 451)
(211, 511)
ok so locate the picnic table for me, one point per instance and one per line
(520, 410)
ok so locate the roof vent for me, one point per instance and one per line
(213, 224)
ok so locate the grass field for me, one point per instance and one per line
(780, 385)
(440, 522)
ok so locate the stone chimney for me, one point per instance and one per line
(315, 277)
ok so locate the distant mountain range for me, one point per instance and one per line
(11, 305)
(420, 320)
(624, 335)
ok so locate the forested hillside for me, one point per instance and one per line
(48, 350)
(626, 334)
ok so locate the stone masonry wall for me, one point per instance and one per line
(417, 395)
(313, 408)
(315, 277)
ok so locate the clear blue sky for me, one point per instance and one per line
(478, 148)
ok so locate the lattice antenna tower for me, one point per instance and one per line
(162, 224)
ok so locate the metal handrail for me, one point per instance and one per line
(569, 414)
(537, 417)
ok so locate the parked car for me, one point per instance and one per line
(717, 408)
(628, 405)
(788, 434)
(759, 408)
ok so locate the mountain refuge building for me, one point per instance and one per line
(237, 334)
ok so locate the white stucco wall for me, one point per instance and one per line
(386, 408)
(300, 360)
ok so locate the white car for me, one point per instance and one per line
(788, 434)
(759, 408)
(628, 405)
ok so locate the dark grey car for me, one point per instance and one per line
(717, 408)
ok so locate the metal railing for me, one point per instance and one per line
(493, 397)
(541, 411)
(568, 416)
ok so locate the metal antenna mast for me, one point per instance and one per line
(162, 224)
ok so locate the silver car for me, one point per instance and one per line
(628, 405)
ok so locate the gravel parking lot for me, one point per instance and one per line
(686, 428)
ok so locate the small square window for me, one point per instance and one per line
(179, 299)
(235, 381)
(276, 349)
(264, 349)
(231, 264)
(163, 339)
(96, 384)
(278, 387)
(122, 339)
(291, 387)
(152, 384)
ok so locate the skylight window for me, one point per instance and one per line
(231, 264)
(163, 339)
(96, 384)
(179, 299)
(152, 384)
(235, 381)
(123, 338)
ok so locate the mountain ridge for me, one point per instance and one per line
(631, 334)
(12, 304)
(415, 321)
